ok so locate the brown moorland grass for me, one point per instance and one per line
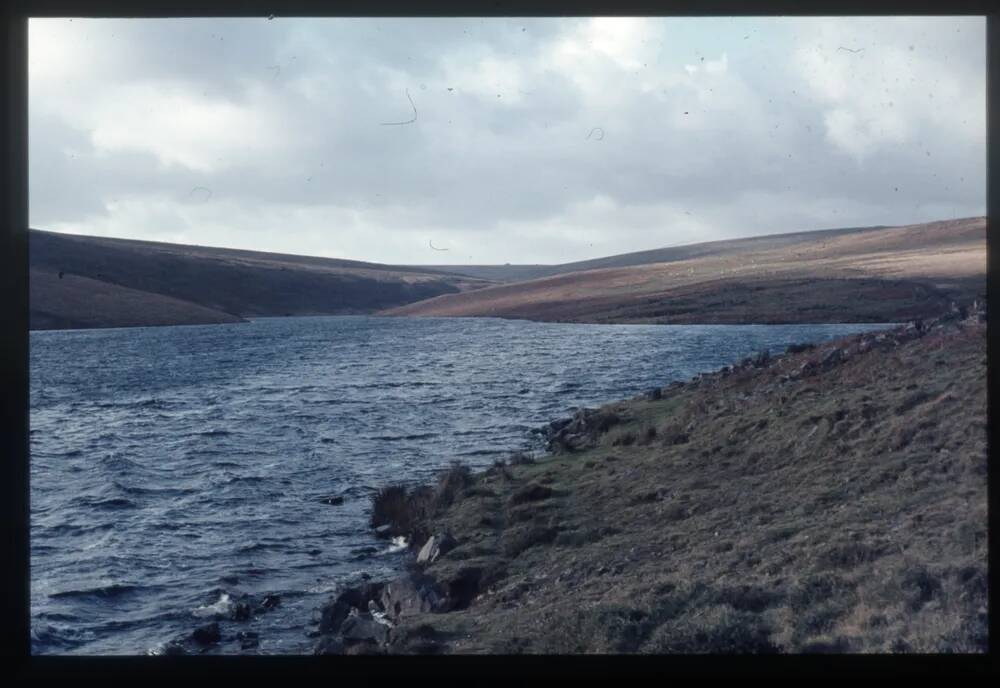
(843, 511)
(888, 274)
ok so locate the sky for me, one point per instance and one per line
(490, 141)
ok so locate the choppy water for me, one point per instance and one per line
(174, 466)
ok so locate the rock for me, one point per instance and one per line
(435, 546)
(831, 358)
(335, 612)
(465, 585)
(333, 500)
(808, 369)
(799, 348)
(654, 394)
(241, 611)
(414, 594)
(248, 640)
(760, 359)
(208, 634)
(363, 649)
(557, 425)
(582, 430)
(328, 645)
(174, 648)
(364, 628)
(383, 532)
(270, 601)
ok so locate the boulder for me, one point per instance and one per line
(414, 594)
(241, 611)
(435, 546)
(208, 634)
(328, 645)
(248, 640)
(580, 431)
(332, 500)
(361, 628)
(270, 602)
(654, 394)
(336, 611)
(174, 648)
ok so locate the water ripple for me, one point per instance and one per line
(152, 483)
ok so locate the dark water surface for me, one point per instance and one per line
(174, 467)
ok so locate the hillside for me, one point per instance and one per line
(832, 499)
(881, 274)
(518, 273)
(79, 281)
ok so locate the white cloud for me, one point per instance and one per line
(889, 84)
(177, 127)
(610, 135)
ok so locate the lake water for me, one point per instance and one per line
(174, 466)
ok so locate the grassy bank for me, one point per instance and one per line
(828, 500)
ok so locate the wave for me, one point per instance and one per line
(73, 530)
(221, 607)
(210, 433)
(483, 452)
(111, 591)
(111, 503)
(260, 546)
(159, 491)
(399, 438)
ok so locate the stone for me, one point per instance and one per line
(248, 640)
(271, 601)
(364, 628)
(334, 612)
(174, 648)
(241, 611)
(435, 546)
(414, 594)
(333, 500)
(328, 645)
(208, 634)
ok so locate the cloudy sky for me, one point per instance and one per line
(429, 141)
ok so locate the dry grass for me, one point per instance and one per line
(843, 512)
(882, 275)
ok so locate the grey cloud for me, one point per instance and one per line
(472, 163)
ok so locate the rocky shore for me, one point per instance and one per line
(830, 499)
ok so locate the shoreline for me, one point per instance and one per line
(475, 539)
(389, 316)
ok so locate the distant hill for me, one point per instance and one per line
(861, 275)
(517, 273)
(81, 281)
